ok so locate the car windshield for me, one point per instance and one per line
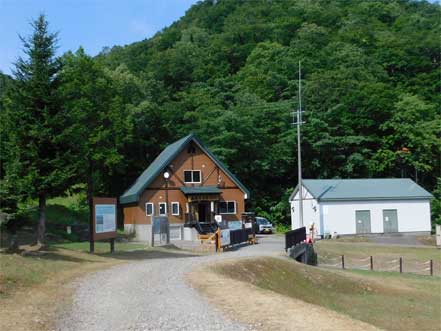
(261, 220)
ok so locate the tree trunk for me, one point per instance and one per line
(11, 227)
(42, 220)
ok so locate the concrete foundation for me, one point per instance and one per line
(141, 232)
(190, 234)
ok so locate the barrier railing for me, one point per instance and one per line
(230, 238)
(379, 264)
(294, 237)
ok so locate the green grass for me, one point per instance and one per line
(282, 228)
(18, 272)
(65, 210)
(387, 300)
(336, 248)
(60, 212)
(35, 267)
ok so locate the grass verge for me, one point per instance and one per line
(415, 259)
(387, 300)
(19, 271)
(34, 285)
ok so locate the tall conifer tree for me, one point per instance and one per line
(36, 154)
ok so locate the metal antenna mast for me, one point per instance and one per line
(299, 151)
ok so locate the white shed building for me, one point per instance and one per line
(357, 206)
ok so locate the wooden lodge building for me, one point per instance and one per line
(187, 184)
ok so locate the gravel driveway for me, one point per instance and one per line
(152, 295)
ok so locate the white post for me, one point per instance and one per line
(299, 153)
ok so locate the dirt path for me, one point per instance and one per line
(154, 294)
(267, 310)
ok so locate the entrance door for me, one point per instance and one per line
(390, 220)
(363, 221)
(203, 211)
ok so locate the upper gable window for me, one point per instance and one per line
(192, 176)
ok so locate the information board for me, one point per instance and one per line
(104, 218)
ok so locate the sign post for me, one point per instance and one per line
(103, 222)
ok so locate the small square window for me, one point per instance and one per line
(227, 207)
(162, 209)
(192, 176)
(175, 208)
(149, 210)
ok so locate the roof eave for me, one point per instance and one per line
(374, 199)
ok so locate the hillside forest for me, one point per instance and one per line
(228, 71)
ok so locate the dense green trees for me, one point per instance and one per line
(227, 71)
(371, 76)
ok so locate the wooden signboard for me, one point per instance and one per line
(104, 221)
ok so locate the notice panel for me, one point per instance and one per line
(104, 218)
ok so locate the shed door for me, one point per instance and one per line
(390, 220)
(363, 221)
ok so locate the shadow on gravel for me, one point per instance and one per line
(50, 254)
(235, 247)
(59, 257)
(147, 255)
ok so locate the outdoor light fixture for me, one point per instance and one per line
(166, 175)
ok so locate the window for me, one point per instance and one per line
(175, 208)
(227, 207)
(149, 209)
(162, 209)
(192, 176)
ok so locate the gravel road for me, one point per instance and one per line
(152, 295)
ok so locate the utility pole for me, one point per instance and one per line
(299, 152)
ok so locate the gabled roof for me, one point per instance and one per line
(364, 189)
(163, 160)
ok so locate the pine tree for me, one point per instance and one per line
(36, 154)
(99, 126)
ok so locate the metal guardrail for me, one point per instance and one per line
(294, 237)
(240, 235)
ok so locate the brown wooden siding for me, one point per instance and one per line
(210, 176)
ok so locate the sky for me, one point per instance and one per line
(92, 24)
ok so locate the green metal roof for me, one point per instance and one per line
(200, 190)
(364, 189)
(163, 160)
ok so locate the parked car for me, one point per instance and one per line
(264, 226)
